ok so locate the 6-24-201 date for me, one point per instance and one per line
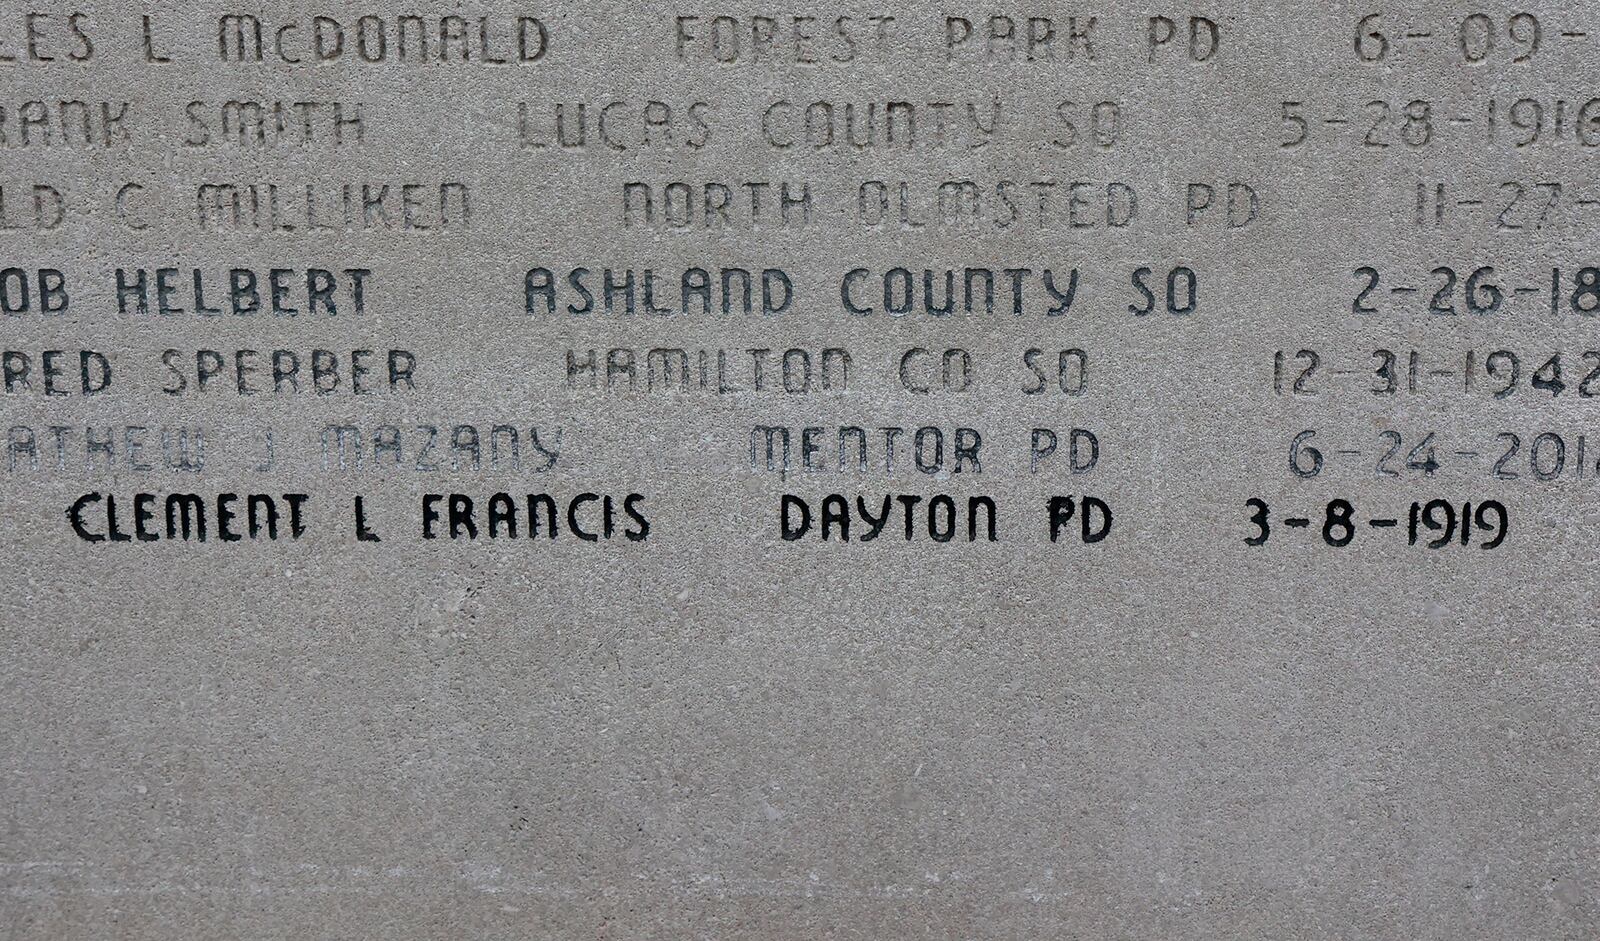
(1546, 456)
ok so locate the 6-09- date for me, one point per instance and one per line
(1432, 524)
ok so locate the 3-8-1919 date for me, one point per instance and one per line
(1432, 524)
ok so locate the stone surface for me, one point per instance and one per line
(1297, 254)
